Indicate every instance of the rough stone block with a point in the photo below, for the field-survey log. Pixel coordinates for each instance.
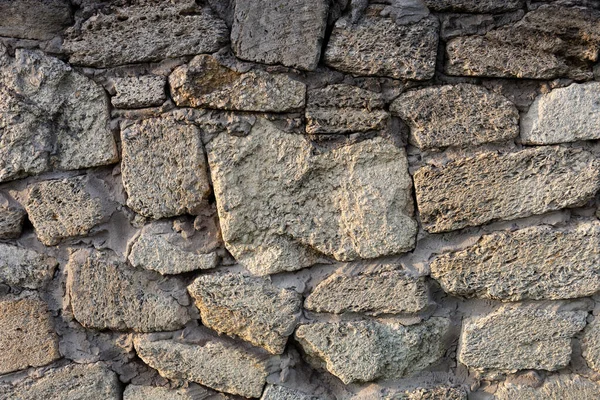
(34, 19)
(139, 91)
(25, 268)
(475, 6)
(437, 393)
(11, 220)
(192, 392)
(454, 25)
(590, 344)
(557, 387)
(276, 392)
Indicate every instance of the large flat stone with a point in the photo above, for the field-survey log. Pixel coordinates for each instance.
(25, 268)
(474, 6)
(489, 186)
(556, 387)
(34, 19)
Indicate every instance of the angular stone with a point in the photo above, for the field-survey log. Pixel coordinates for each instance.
(192, 392)
(388, 290)
(28, 338)
(144, 32)
(590, 344)
(475, 6)
(377, 45)
(563, 115)
(163, 167)
(456, 115)
(204, 82)
(279, 203)
(438, 393)
(25, 268)
(107, 294)
(556, 387)
(514, 339)
(280, 32)
(536, 263)
(362, 351)
(486, 187)
(34, 19)
(51, 117)
(139, 91)
(276, 392)
(251, 308)
(454, 25)
(11, 221)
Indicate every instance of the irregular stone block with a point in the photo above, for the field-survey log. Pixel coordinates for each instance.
(453, 25)
(563, 115)
(456, 115)
(276, 392)
(28, 338)
(107, 294)
(279, 203)
(163, 167)
(251, 308)
(280, 32)
(536, 263)
(474, 6)
(488, 186)
(378, 45)
(362, 351)
(25, 268)
(556, 387)
(11, 220)
(204, 82)
(438, 393)
(192, 392)
(139, 91)
(514, 339)
(590, 344)
(34, 19)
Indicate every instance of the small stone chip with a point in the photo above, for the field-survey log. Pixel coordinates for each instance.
(25, 268)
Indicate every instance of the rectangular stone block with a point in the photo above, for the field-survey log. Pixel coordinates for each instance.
(139, 91)
(556, 387)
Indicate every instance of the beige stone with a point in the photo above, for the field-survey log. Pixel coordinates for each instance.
(24, 267)
(276, 392)
(556, 387)
(192, 392)
(437, 393)
(590, 344)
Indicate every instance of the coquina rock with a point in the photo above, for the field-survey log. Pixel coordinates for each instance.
(11, 220)
(556, 387)
(34, 19)
(276, 392)
(139, 91)
(25, 268)
(437, 393)
(590, 344)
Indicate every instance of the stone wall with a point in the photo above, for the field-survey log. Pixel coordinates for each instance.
(299, 199)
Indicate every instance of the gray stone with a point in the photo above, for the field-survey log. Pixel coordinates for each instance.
(280, 31)
(475, 6)
(250, 308)
(11, 220)
(108, 294)
(590, 344)
(363, 351)
(24, 267)
(204, 82)
(488, 186)
(163, 167)
(276, 392)
(34, 19)
(557, 387)
(453, 25)
(279, 204)
(513, 339)
(192, 392)
(456, 115)
(563, 115)
(139, 91)
(437, 393)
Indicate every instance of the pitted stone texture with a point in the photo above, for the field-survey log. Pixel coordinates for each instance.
(557, 387)
(590, 344)
(563, 115)
(279, 204)
(377, 45)
(73, 382)
(11, 221)
(139, 91)
(280, 31)
(192, 392)
(388, 290)
(474, 6)
(363, 351)
(276, 392)
(488, 186)
(454, 25)
(164, 167)
(34, 19)
(213, 363)
(204, 82)
(51, 117)
(107, 294)
(28, 338)
(251, 308)
(549, 42)
(144, 32)
(25, 268)
(513, 339)
(60, 209)
(438, 393)
(456, 115)
(536, 263)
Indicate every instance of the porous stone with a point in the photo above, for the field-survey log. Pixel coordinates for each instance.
(453, 25)
(474, 6)
(590, 344)
(515, 339)
(556, 387)
(279, 204)
(34, 19)
(456, 115)
(362, 351)
(378, 45)
(11, 221)
(204, 82)
(276, 392)
(139, 91)
(280, 31)
(437, 393)
(25, 268)
(486, 187)
(28, 338)
(107, 294)
(536, 263)
(563, 115)
(251, 308)
(192, 392)
(163, 167)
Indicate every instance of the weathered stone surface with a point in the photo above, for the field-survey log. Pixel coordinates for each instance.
(537, 263)
(388, 290)
(139, 91)
(590, 344)
(362, 351)
(474, 6)
(280, 31)
(456, 115)
(547, 43)
(28, 338)
(438, 393)
(64, 208)
(488, 186)
(276, 392)
(192, 392)
(143, 32)
(164, 167)
(204, 82)
(453, 25)
(11, 220)
(378, 45)
(51, 117)
(515, 339)
(107, 294)
(557, 387)
(563, 115)
(279, 204)
(251, 308)
(25, 268)
(34, 19)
